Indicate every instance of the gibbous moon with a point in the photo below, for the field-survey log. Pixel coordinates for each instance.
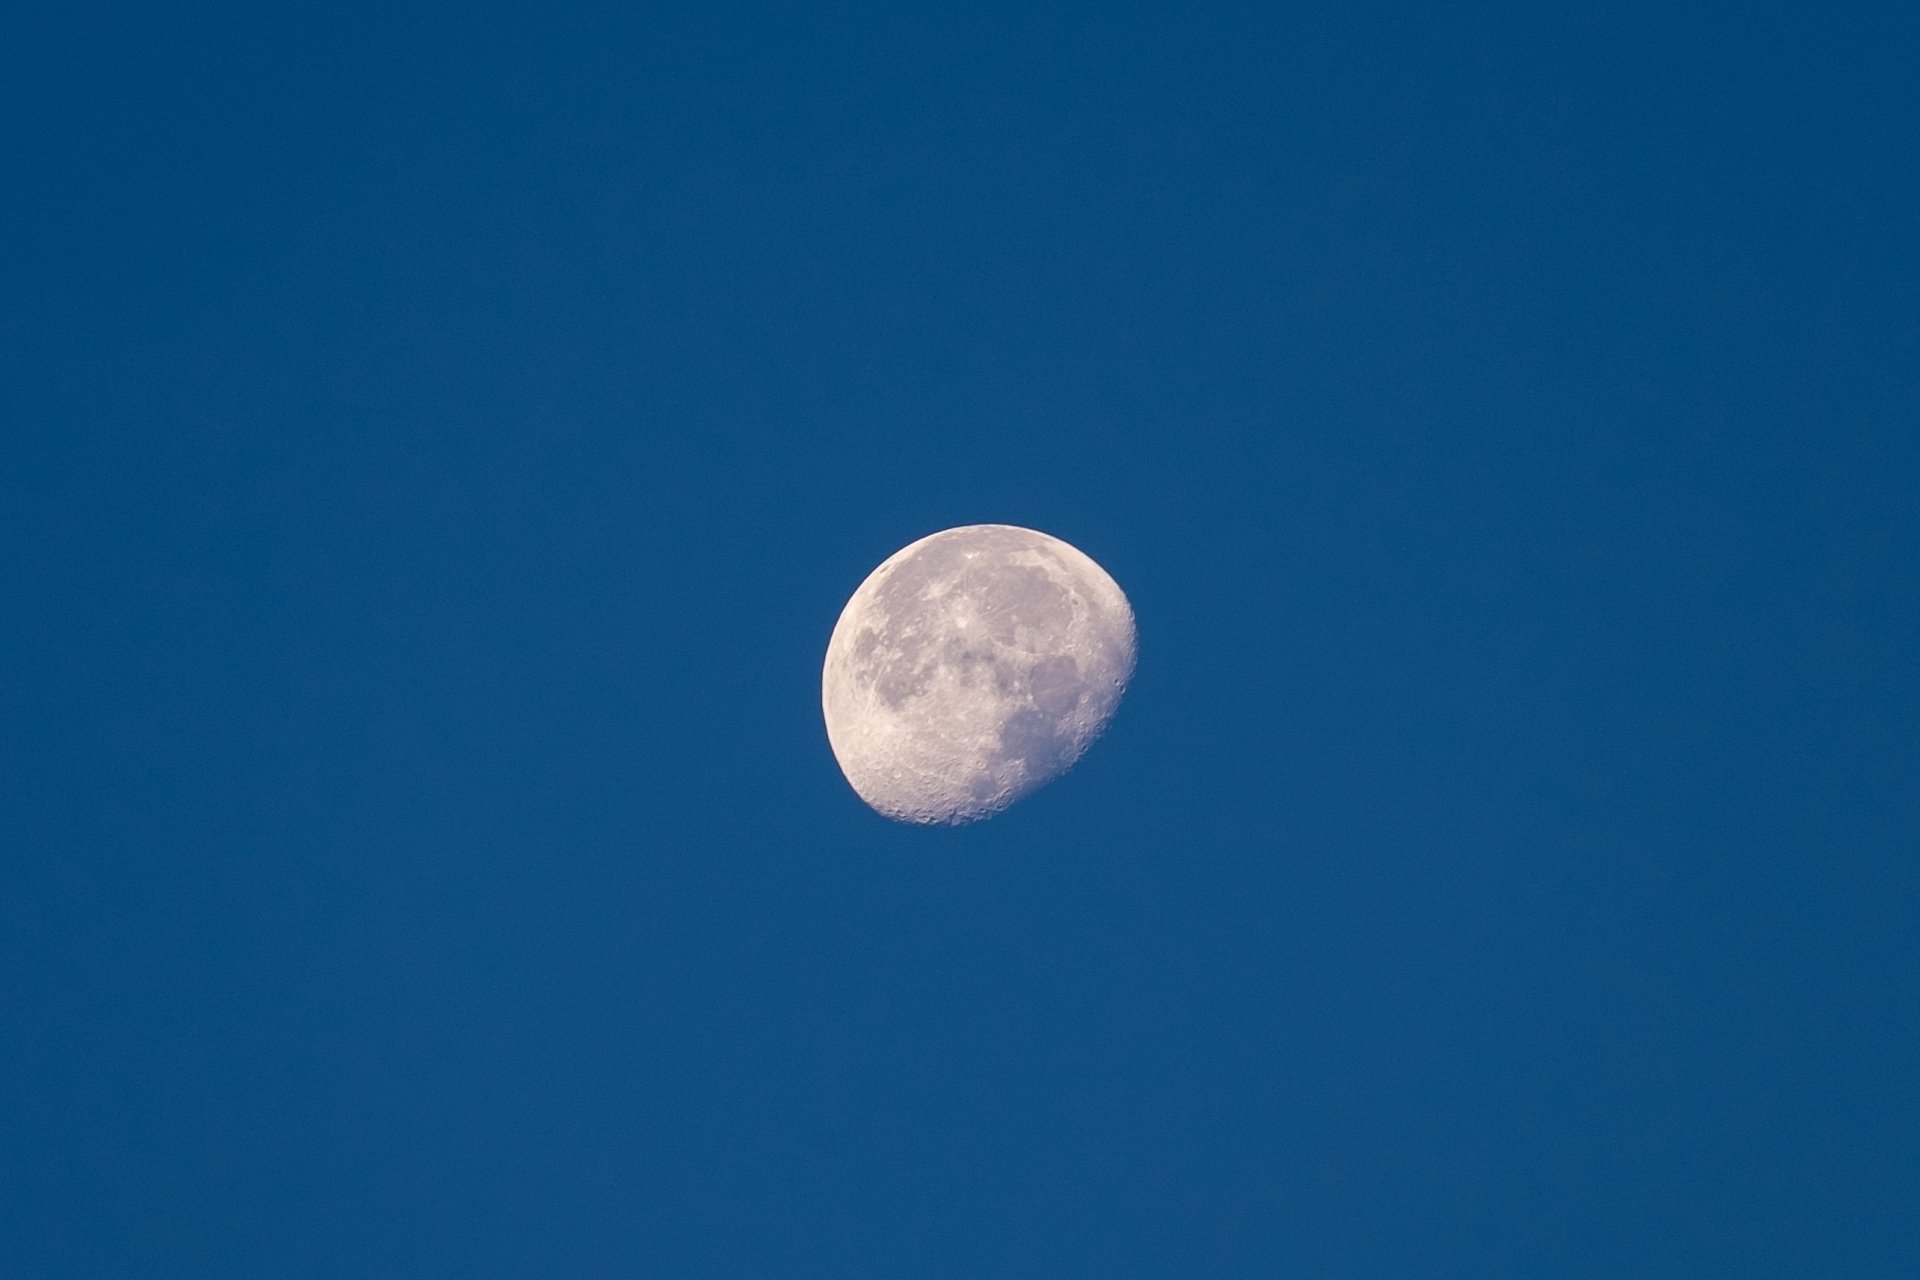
(971, 668)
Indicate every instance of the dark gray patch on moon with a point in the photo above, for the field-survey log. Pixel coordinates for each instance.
(1022, 596)
(1055, 685)
(1032, 740)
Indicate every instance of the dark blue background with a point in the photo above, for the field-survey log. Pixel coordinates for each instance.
(438, 445)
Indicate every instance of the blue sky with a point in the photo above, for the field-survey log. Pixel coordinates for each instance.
(438, 444)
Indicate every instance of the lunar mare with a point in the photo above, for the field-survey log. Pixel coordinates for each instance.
(971, 668)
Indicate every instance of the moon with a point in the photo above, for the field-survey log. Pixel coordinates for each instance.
(971, 668)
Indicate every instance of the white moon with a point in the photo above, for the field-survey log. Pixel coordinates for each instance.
(971, 668)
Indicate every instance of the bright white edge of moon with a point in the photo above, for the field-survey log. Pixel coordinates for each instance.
(971, 668)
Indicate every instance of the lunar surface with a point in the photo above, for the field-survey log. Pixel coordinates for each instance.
(971, 668)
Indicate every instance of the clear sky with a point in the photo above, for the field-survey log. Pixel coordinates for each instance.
(435, 445)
